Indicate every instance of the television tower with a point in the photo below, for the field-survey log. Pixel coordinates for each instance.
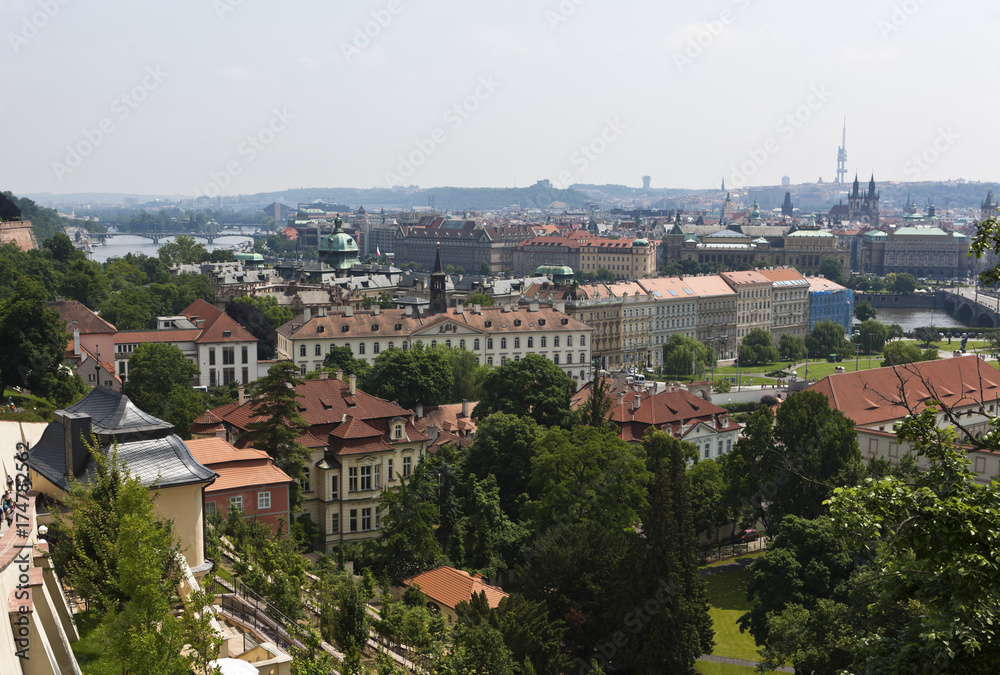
(842, 156)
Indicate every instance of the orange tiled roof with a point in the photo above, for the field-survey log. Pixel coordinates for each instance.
(247, 474)
(449, 586)
(209, 451)
(882, 394)
(87, 321)
(216, 325)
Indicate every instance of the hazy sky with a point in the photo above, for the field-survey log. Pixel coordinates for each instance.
(238, 96)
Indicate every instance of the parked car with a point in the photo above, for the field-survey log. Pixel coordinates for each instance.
(746, 536)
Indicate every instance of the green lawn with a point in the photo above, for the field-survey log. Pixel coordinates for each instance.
(706, 668)
(766, 368)
(726, 561)
(820, 369)
(727, 597)
(89, 652)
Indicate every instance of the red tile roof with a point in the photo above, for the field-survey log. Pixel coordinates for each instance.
(209, 451)
(883, 394)
(237, 468)
(172, 336)
(216, 325)
(87, 321)
(448, 586)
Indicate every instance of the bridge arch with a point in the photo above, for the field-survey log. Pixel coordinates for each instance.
(964, 313)
(985, 320)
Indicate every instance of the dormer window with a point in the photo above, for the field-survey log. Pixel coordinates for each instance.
(344, 328)
(397, 432)
(488, 324)
(541, 322)
(320, 329)
(374, 327)
(517, 322)
(227, 333)
(398, 326)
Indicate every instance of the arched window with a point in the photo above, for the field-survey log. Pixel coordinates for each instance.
(503, 343)
(475, 344)
(375, 348)
(517, 343)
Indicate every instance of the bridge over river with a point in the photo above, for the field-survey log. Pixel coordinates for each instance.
(973, 308)
(210, 238)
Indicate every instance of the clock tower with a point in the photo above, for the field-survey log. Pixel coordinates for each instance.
(439, 303)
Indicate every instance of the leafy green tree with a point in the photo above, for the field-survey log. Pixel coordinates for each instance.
(468, 376)
(748, 469)
(681, 354)
(904, 283)
(871, 336)
(503, 447)
(827, 337)
(707, 489)
(674, 627)
(251, 318)
(533, 386)
(899, 353)
(587, 474)
(275, 314)
(806, 569)
(130, 308)
(596, 410)
(722, 386)
(350, 627)
(408, 544)
(925, 335)
(342, 358)
(605, 275)
(61, 249)
(791, 348)
(409, 376)
(276, 422)
(159, 382)
(481, 649)
(33, 338)
(480, 299)
(864, 310)
(484, 268)
(183, 250)
(832, 270)
(84, 281)
(757, 349)
(384, 301)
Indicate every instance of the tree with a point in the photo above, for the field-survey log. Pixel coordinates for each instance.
(674, 627)
(757, 349)
(864, 310)
(276, 315)
(60, 247)
(384, 301)
(183, 250)
(587, 474)
(827, 337)
(936, 541)
(904, 283)
(527, 631)
(115, 550)
(533, 386)
(342, 358)
(503, 447)
(791, 348)
(871, 336)
(899, 353)
(722, 386)
(468, 376)
(407, 544)
(130, 308)
(683, 354)
(925, 335)
(276, 422)
(596, 410)
(480, 299)
(707, 489)
(484, 268)
(409, 376)
(33, 338)
(159, 383)
(802, 578)
(253, 320)
(832, 270)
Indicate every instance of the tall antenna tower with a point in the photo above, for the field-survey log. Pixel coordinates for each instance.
(842, 157)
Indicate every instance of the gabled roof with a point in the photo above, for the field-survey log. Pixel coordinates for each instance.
(87, 321)
(216, 325)
(448, 586)
(883, 394)
(236, 467)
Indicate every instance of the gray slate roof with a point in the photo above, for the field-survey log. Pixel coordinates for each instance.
(146, 444)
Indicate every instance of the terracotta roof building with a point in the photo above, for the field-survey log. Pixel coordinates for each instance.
(753, 301)
(790, 302)
(357, 441)
(449, 423)
(446, 587)
(247, 480)
(678, 412)
(223, 350)
(93, 333)
(494, 334)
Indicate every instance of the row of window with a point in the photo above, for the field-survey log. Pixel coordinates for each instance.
(236, 503)
(228, 376)
(376, 347)
(228, 355)
(366, 521)
(362, 478)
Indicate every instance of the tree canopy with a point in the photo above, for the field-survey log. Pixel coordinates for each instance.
(757, 349)
(409, 376)
(681, 354)
(864, 310)
(827, 337)
(159, 383)
(533, 387)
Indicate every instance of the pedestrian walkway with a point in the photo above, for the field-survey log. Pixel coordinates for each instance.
(740, 662)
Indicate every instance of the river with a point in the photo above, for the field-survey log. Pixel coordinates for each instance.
(910, 319)
(120, 244)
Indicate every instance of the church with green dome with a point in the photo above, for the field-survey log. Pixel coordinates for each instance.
(338, 250)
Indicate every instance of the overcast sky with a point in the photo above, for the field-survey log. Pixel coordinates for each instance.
(238, 96)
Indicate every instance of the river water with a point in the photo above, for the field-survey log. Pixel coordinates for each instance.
(120, 244)
(910, 319)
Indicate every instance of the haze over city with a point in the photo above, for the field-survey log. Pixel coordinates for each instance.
(237, 96)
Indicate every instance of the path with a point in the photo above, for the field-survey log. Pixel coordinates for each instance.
(740, 662)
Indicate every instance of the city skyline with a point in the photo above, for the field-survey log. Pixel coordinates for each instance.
(226, 97)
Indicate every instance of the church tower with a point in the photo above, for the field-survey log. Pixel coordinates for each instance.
(988, 209)
(854, 200)
(439, 304)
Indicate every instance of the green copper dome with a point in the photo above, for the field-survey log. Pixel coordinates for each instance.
(641, 242)
(339, 249)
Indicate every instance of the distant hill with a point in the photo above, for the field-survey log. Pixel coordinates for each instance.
(45, 222)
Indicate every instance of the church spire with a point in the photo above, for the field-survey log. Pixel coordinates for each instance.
(437, 261)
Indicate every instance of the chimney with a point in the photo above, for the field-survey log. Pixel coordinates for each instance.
(76, 430)
(465, 407)
(433, 432)
(340, 374)
(477, 309)
(419, 409)
(353, 383)
(321, 311)
(348, 311)
(636, 402)
(621, 398)
(459, 309)
(376, 309)
(76, 340)
(408, 311)
(306, 315)
(533, 307)
(324, 375)
(239, 395)
(559, 306)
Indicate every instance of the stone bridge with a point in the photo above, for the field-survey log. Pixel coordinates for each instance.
(977, 314)
(210, 238)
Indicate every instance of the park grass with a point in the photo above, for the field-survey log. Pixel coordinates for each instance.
(708, 668)
(89, 652)
(746, 370)
(728, 561)
(727, 599)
